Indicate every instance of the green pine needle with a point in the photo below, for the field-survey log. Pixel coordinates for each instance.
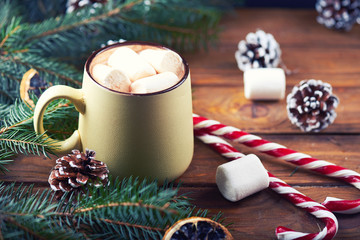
(54, 44)
(5, 159)
(125, 209)
(17, 133)
(27, 215)
(49, 46)
(57, 47)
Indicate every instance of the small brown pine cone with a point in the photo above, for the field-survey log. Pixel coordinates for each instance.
(311, 105)
(74, 172)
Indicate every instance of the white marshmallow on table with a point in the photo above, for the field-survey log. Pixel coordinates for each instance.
(154, 83)
(163, 61)
(111, 77)
(242, 177)
(129, 62)
(264, 83)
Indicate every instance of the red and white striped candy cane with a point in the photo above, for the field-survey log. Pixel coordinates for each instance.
(297, 158)
(279, 186)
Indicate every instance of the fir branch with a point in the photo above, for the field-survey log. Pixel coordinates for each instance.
(132, 20)
(4, 159)
(136, 203)
(17, 114)
(6, 75)
(75, 25)
(128, 204)
(178, 24)
(35, 11)
(48, 67)
(17, 134)
(23, 228)
(7, 35)
(16, 59)
(25, 214)
(5, 97)
(160, 26)
(8, 9)
(20, 114)
(14, 65)
(26, 143)
(8, 28)
(147, 228)
(114, 12)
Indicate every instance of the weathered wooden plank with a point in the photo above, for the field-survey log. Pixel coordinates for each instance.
(314, 52)
(257, 216)
(308, 48)
(341, 150)
(293, 27)
(328, 66)
(228, 105)
(29, 169)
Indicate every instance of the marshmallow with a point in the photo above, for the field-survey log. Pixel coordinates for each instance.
(264, 83)
(154, 83)
(242, 177)
(164, 61)
(111, 78)
(129, 62)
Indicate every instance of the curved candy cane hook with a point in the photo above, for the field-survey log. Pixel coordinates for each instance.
(279, 186)
(279, 151)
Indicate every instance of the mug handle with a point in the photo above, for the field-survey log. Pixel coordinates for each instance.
(55, 92)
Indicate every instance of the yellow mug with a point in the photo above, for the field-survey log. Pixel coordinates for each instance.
(145, 135)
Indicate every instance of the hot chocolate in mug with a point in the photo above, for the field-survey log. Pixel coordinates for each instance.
(146, 135)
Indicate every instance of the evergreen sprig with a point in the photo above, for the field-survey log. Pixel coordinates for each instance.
(53, 45)
(17, 133)
(169, 22)
(27, 215)
(49, 46)
(5, 158)
(56, 44)
(40, 9)
(125, 209)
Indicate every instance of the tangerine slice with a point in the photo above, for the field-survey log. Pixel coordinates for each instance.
(31, 82)
(197, 228)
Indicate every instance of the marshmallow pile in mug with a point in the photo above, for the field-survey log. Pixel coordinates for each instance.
(141, 71)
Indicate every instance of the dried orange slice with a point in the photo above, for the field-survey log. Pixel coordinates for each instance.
(31, 82)
(197, 228)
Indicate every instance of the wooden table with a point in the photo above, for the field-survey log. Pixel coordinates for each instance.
(312, 51)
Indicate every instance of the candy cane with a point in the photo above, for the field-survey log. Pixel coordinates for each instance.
(297, 158)
(291, 194)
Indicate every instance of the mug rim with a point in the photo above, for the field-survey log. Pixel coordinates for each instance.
(118, 44)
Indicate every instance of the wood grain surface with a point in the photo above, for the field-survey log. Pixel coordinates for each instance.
(310, 51)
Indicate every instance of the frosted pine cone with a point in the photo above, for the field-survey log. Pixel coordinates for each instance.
(311, 105)
(338, 14)
(259, 50)
(72, 173)
(73, 5)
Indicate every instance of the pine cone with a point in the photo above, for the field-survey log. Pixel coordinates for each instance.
(259, 50)
(72, 173)
(338, 14)
(311, 105)
(73, 5)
